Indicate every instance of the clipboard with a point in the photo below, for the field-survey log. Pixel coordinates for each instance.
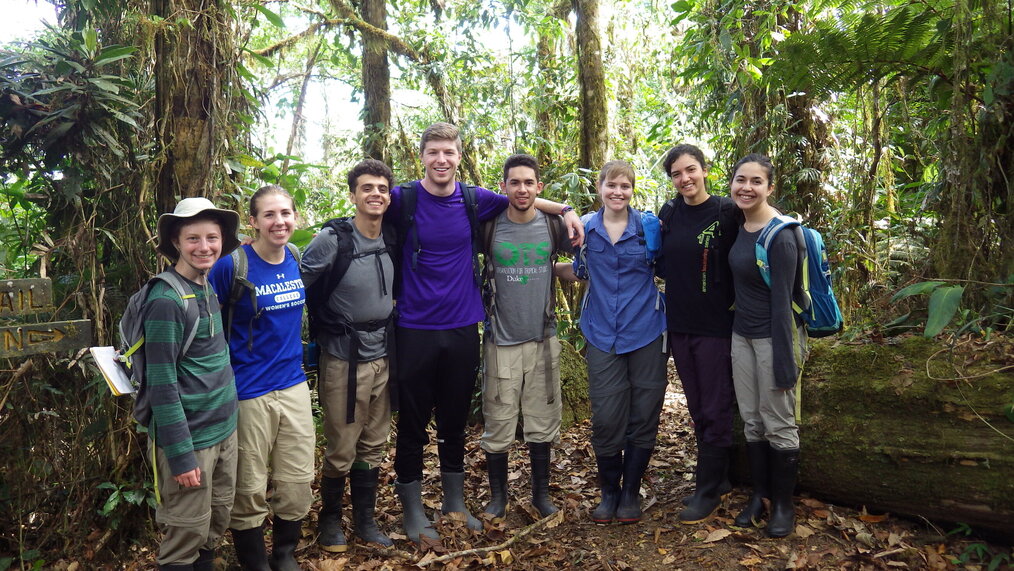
(112, 371)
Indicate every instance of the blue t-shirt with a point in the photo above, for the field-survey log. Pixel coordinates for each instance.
(440, 293)
(623, 310)
(276, 359)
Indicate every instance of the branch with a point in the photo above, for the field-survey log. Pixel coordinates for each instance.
(394, 43)
(556, 517)
(313, 29)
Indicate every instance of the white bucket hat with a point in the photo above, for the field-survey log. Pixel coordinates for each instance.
(188, 208)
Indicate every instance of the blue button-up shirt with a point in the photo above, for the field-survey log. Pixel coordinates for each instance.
(623, 309)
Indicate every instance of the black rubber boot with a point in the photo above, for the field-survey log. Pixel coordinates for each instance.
(712, 469)
(330, 537)
(363, 488)
(205, 560)
(250, 550)
(539, 453)
(453, 485)
(610, 472)
(724, 488)
(753, 513)
(635, 462)
(182, 567)
(414, 518)
(284, 543)
(496, 468)
(784, 466)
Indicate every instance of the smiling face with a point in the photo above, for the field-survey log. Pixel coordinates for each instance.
(522, 187)
(440, 157)
(615, 192)
(371, 196)
(688, 177)
(275, 220)
(751, 186)
(199, 244)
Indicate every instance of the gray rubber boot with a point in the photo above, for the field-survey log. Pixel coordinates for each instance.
(496, 467)
(453, 484)
(363, 487)
(413, 515)
(539, 453)
(250, 551)
(329, 522)
(284, 543)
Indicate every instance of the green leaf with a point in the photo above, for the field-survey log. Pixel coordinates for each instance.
(942, 306)
(135, 497)
(114, 53)
(1008, 411)
(301, 238)
(91, 39)
(263, 60)
(272, 17)
(915, 289)
(104, 85)
(111, 503)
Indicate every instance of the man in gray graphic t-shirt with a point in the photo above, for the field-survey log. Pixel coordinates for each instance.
(521, 353)
(351, 319)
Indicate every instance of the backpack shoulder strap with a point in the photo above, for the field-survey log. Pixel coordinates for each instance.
(294, 250)
(558, 237)
(665, 214)
(411, 234)
(766, 237)
(469, 194)
(189, 308)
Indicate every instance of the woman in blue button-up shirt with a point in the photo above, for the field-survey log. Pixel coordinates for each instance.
(623, 320)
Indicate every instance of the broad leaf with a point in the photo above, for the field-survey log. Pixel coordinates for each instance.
(943, 303)
(272, 17)
(916, 289)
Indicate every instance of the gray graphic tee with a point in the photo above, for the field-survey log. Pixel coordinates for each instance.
(522, 263)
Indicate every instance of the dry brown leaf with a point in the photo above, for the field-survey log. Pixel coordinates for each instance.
(668, 560)
(506, 557)
(803, 531)
(332, 564)
(750, 561)
(717, 535)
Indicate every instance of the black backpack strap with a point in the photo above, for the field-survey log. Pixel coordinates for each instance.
(488, 231)
(411, 233)
(469, 193)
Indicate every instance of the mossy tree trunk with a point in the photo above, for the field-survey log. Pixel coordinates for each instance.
(195, 86)
(594, 144)
(376, 84)
(880, 431)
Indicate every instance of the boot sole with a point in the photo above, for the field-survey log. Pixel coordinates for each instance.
(334, 548)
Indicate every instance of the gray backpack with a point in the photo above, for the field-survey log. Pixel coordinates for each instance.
(132, 337)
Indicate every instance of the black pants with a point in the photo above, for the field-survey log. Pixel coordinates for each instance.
(437, 372)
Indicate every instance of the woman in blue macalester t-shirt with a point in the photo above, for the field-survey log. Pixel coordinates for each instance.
(275, 425)
(623, 320)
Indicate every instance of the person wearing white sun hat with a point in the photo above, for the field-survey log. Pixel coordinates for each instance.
(193, 396)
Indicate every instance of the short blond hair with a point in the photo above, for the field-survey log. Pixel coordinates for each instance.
(613, 169)
(440, 131)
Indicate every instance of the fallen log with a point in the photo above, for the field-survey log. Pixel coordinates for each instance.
(911, 426)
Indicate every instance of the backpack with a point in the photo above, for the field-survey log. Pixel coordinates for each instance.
(411, 233)
(132, 337)
(649, 230)
(821, 313)
(242, 285)
(320, 317)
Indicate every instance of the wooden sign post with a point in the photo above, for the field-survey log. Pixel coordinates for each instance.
(23, 297)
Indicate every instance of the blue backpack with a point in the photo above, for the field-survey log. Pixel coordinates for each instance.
(821, 314)
(649, 230)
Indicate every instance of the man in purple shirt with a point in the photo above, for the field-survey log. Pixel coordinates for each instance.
(437, 337)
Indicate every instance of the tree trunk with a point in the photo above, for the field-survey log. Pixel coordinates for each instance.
(594, 145)
(194, 89)
(885, 426)
(376, 84)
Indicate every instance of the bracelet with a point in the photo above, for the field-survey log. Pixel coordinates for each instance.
(565, 209)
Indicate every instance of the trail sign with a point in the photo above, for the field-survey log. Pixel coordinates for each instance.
(25, 296)
(31, 338)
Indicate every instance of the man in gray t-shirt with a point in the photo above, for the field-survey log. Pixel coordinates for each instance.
(521, 352)
(351, 328)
